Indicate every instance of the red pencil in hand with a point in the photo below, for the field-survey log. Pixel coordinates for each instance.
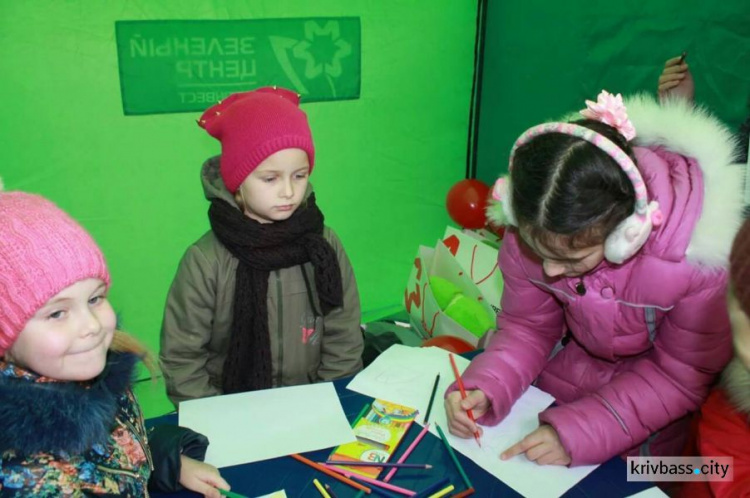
(463, 395)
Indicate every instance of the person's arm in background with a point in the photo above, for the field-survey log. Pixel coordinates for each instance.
(676, 81)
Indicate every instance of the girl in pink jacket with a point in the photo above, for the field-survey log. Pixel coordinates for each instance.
(615, 281)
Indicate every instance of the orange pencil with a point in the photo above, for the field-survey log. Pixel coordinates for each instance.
(466, 492)
(331, 473)
(463, 395)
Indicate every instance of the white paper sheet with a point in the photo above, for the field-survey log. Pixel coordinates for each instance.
(405, 375)
(259, 425)
(275, 494)
(650, 493)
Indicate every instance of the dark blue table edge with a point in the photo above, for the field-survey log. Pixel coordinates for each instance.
(609, 479)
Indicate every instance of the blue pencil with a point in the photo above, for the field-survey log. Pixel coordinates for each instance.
(433, 489)
(382, 492)
(375, 489)
(330, 491)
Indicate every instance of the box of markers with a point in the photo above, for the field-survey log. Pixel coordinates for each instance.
(379, 432)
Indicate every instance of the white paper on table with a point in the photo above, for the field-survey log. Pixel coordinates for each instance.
(405, 375)
(275, 494)
(654, 492)
(258, 425)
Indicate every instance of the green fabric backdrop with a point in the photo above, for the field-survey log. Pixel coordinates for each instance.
(544, 58)
(384, 162)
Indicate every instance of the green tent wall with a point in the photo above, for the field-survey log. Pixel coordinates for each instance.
(543, 58)
(384, 162)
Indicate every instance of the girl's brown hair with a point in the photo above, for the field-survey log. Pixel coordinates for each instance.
(126, 343)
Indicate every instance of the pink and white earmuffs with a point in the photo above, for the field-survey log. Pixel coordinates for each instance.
(630, 235)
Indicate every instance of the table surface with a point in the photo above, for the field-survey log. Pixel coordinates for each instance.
(265, 477)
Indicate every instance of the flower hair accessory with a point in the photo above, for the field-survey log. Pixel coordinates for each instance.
(633, 232)
(609, 109)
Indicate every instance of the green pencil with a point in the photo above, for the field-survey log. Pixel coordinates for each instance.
(432, 398)
(454, 457)
(361, 414)
(230, 494)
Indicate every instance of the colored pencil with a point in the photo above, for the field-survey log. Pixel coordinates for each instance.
(435, 487)
(454, 457)
(361, 414)
(463, 395)
(322, 490)
(432, 398)
(682, 58)
(374, 482)
(359, 463)
(464, 493)
(330, 491)
(384, 493)
(331, 473)
(411, 447)
(443, 492)
(230, 494)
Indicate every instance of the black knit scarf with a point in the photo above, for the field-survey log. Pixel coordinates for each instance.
(260, 249)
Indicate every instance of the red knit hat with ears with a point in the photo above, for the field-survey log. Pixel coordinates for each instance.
(739, 266)
(253, 125)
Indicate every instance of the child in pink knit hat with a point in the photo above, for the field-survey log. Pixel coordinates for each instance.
(70, 420)
(267, 297)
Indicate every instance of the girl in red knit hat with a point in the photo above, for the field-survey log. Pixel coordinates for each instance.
(267, 297)
(71, 424)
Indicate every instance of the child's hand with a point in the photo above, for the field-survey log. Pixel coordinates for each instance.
(542, 446)
(201, 477)
(676, 80)
(459, 422)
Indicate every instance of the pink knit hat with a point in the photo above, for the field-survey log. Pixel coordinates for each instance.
(42, 251)
(253, 125)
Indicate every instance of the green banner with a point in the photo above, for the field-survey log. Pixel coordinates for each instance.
(185, 66)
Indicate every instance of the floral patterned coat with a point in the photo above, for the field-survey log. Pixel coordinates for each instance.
(74, 439)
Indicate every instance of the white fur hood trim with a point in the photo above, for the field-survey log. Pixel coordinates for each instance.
(736, 381)
(691, 131)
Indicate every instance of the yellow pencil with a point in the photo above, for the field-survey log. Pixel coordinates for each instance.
(322, 490)
(443, 491)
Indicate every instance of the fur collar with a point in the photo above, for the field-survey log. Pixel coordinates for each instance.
(56, 417)
(736, 381)
(689, 130)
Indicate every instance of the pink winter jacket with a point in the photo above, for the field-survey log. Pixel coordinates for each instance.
(648, 336)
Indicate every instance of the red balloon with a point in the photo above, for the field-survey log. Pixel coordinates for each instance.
(466, 203)
(449, 343)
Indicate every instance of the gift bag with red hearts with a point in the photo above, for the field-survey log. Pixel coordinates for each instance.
(442, 299)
